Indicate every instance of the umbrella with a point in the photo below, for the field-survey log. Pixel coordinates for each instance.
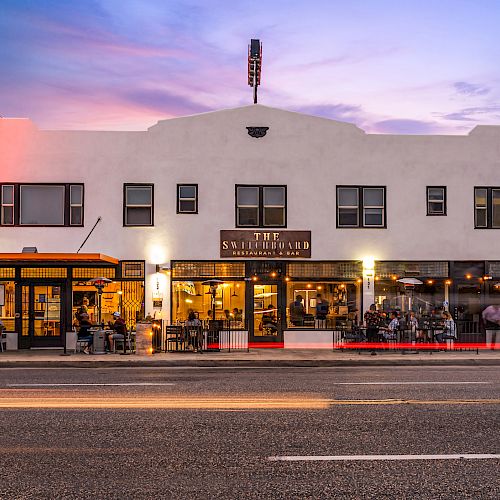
(410, 281)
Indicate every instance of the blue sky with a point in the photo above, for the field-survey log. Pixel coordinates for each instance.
(424, 67)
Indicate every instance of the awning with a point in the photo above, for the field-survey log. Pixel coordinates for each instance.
(57, 258)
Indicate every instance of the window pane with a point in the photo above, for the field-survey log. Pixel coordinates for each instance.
(373, 217)
(76, 195)
(139, 195)
(187, 191)
(42, 205)
(274, 196)
(481, 196)
(436, 207)
(274, 216)
(495, 200)
(138, 216)
(348, 217)
(248, 216)
(373, 197)
(348, 197)
(248, 196)
(76, 216)
(187, 206)
(7, 195)
(8, 215)
(436, 194)
(480, 217)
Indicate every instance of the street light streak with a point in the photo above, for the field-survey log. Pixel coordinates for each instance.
(216, 403)
(348, 458)
(103, 384)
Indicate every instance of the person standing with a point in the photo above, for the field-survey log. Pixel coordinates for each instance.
(372, 321)
(491, 319)
(322, 307)
(297, 311)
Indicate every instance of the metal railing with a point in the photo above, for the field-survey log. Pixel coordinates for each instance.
(213, 336)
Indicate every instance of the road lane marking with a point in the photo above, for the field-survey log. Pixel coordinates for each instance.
(349, 458)
(98, 384)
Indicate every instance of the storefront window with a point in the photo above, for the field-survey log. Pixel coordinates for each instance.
(126, 297)
(322, 304)
(193, 296)
(423, 299)
(7, 305)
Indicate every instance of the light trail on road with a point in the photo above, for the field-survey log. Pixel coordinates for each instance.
(27, 401)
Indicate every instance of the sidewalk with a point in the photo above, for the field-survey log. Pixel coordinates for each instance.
(255, 358)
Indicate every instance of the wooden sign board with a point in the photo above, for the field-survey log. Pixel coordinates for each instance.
(265, 244)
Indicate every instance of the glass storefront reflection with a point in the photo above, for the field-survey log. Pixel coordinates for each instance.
(322, 304)
(194, 296)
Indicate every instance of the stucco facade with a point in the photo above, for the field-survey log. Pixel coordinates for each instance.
(310, 155)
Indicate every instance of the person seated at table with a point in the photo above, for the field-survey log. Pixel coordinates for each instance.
(390, 333)
(84, 334)
(120, 330)
(269, 321)
(449, 331)
(195, 332)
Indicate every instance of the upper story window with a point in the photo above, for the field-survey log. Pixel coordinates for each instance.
(487, 207)
(260, 206)
(361, 206)
(138, 205)
(41, 204)
(436, 200)
(187, 198)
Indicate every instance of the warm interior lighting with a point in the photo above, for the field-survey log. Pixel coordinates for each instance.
(189, 301)
(309, 285)
(394, 278)
(377, 278)
(430, 282)
(342, 286)
(447, 282)
(254, 278)
(359, 280)
(274, 274)
(319, 287)
(468, 276)
(287, 278)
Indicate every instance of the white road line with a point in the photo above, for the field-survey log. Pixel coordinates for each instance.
(122, 384)
(407, 383)
(347, 458)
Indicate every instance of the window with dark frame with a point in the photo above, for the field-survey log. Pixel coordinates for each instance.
(361, 207)
(260, 206)
(30, 204)
(436, 200)
(187, 198)
(138, 200)
(487, 207)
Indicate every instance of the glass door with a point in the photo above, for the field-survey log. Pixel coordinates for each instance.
(41, 315)
(267, 317)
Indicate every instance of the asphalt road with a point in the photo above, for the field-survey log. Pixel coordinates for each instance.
(210, 433)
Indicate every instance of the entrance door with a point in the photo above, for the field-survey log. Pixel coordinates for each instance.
(267, 318)
(41, 315)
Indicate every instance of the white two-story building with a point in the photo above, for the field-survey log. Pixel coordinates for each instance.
(280, 207)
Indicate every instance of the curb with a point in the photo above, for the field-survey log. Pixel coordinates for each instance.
(236, 363)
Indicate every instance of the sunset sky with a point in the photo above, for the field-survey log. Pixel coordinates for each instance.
(389, 66)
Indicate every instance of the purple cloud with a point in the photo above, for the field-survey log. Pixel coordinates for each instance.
(473, 114)
(405, 126)
(343, 112)
(470, 89)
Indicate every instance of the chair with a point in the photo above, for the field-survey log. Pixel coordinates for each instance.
(129, 342)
